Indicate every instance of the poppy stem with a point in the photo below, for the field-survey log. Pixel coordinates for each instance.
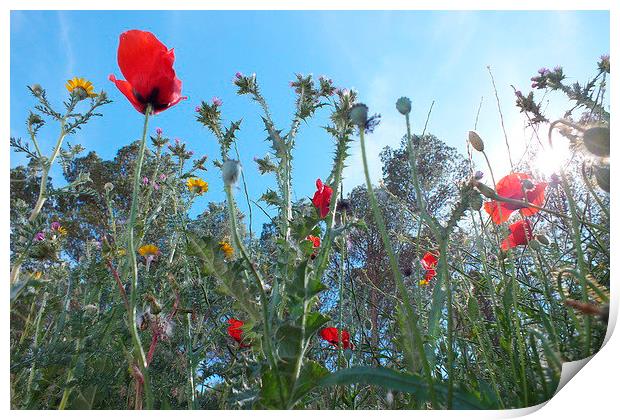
(412, 318)
(131, 250)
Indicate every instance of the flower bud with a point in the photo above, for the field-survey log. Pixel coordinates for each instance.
(475, 202)
(403, 105)
(542, 239)
(596, 140)
(108, 186)
(231, 169)
(534, 244)
(37, 90)
(475, 141)
(478, 175)
(359, 114)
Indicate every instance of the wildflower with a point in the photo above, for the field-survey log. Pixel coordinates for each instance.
(146, 63)
(82, 88)
(216, 101)
(235, 331)
(227, 249)
(37, 275)
(162, 177)
(159, 131)
(145, 181)
(478, 175)
(238, 75)
(511, 186)
(148, 250)
(197, 186)
(316, 243)
(155, 185)
(403, 105)
(322, 198)
(331, 334)
(475, 141)
(604, 64)
(520, 234)
(55, 225)
(429, 263)
(39, 236)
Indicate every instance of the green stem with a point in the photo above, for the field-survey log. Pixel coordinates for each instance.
(131, 250)
(396, 271)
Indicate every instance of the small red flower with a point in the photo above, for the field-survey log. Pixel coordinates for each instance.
(330, 335)
(520, 234)
(322, 198)
(511, 186)
(146, 63)
(316, 243)
(235, 331)
(429, 263)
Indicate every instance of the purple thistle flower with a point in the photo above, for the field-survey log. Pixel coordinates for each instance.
(216, 101)
(155, 185)
(55, 226)
(238, 75)
(162, 177)
(190, 153)
(39, 236)
(197, 109)
(478, 175)
(159, 131)
(145, 181)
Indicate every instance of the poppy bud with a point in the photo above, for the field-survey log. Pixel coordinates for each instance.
(403, 105)
(231, 169)
(478, 175)
(542, 239)
(484, 190)
(475, 141)
(359, 114)
(596, 140)
(534, 244)
(602, 177)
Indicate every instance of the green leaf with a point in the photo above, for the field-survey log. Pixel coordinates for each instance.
(85, 400)
(311, 374)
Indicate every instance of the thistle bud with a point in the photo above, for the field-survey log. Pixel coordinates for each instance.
(475, 141)
(403, 105)
(359, 114)
(542, 239)
(231, 169)
(596, 140)
(36, 89)
(478, 175)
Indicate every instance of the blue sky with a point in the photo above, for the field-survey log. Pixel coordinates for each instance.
(426, 55)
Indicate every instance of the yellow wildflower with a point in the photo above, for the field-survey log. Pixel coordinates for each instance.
(423, 282)
(197, 185)
(37, 275)
(226, 249)
(81, 87)
(62, 230)
(148, 250)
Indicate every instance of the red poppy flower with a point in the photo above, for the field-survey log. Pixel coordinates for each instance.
(510, 186)
(520, 234)
(316, 243)
(322, 197)
(235, 331)
(146, 63)
(330, 335)
(429, 263)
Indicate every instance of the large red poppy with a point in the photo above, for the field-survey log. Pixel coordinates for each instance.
(330, 335)
(322, 197)
(511, 186)
(520, 234)
(146, 63)
(429, 263)
(235, 331)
